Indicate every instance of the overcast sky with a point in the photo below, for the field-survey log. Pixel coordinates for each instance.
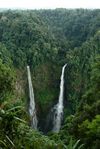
(38, 4)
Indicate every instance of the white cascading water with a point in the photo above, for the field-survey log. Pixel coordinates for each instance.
(32, 110)
(59, 107)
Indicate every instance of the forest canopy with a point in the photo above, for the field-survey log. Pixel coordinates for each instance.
(46, 40)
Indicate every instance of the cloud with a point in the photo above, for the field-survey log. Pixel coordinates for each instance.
(37, 4)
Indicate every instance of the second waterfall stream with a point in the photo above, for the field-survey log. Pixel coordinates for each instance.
(32, 110)
(59, 107)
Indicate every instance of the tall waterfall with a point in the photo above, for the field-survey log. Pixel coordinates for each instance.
(32, 110)
(59, 107)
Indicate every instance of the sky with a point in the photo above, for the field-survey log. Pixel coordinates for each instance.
(49, 4)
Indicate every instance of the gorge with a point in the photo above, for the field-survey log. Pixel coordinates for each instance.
(55, 105)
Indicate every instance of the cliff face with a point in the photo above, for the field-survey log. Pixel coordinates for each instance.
(45, 79)
(20, 83)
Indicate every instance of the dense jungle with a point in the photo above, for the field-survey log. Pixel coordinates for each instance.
(46, 40)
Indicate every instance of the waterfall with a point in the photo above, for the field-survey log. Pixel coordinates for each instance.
(32, 110)
(58, 109)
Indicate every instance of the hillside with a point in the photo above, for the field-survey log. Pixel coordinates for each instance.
(46, 40)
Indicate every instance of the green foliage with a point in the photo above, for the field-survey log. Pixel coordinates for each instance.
(46, 97)
(81, 60)
(5, 55)
(75, 145)
(6, 80)
(46, 40)
(85, 124)
(15, 133)
(90, 131)
(38, 37)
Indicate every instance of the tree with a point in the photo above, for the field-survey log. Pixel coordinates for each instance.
(6, 80)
